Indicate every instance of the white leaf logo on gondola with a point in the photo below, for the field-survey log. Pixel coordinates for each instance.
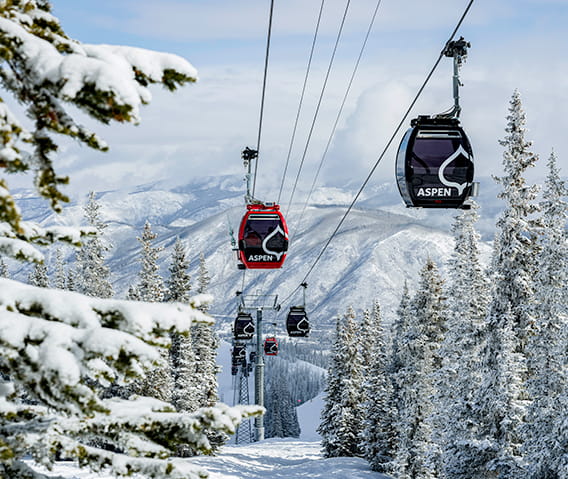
(267, 239)
(303, 325)
(459, 186)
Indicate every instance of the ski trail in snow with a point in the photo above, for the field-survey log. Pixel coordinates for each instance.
(283, 459)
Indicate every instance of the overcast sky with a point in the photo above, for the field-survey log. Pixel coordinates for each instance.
(201, 129)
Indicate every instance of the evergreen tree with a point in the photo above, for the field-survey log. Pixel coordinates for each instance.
(342, 415)
(459, 379)
(4, 273)
(400, 331)
(38, 276)
(281, 417)
(179, 282)
(132, 293)
(92, 274)
(186, 383)
(545, 436)
(501, 406)
(150, 286)
(378, 434)
(60, 280)
(65, 416)
(396, 363)
(108, 83)
(513, 265)
(503, 398)
(51, 76)
(203, 278)
(71, 280)
(206, 343)
(417, 455)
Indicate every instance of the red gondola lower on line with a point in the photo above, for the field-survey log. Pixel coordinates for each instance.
(271, 346)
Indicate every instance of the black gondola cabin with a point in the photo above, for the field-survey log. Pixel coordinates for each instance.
(434, 164)
(244, 326)
(263, 237)
(297, 323)
(238, 354)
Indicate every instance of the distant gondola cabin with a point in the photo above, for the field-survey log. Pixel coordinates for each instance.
(263, 237)
(434, 164)
(271, 346)
(238, 354)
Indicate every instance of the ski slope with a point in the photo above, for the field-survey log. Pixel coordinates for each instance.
(269, 459)
(283, 459)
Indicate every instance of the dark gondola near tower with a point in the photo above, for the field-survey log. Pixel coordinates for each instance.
(243, 328)
(434, 163)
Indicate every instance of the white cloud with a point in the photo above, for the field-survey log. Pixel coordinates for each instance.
(201, 129)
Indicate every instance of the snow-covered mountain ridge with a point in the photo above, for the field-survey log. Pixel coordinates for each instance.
(380, 246)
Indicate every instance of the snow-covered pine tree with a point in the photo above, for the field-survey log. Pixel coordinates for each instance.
(502, 399)
(71, 280)
(178, 284)
(150, 288)
(60, 274)
(56, 354)
(379, 438)
(513, 265)
(546, 437)
(38, 276)
(186, 383)
(396, 364)
(92, 274)
(203, 278)
(328, 428)
(343, 413)
(417, 455)
(132, 293)
(281, 418)
(205, 344)
(400, 331)
(4, 273)
(500, 404)
(459, 379)
(85, 339)
(47, 73)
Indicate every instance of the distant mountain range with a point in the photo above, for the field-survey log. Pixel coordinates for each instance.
(380, 246)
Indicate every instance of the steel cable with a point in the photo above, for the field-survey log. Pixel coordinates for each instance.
(420, 90)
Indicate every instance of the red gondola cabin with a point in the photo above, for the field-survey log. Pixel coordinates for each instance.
(263, 237)
(271, 346)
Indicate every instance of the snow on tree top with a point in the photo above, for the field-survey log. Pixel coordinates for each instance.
(107, 68)
(138, 318)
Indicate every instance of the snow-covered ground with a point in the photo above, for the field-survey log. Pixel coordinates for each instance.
(270, 459)
(283, 459)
